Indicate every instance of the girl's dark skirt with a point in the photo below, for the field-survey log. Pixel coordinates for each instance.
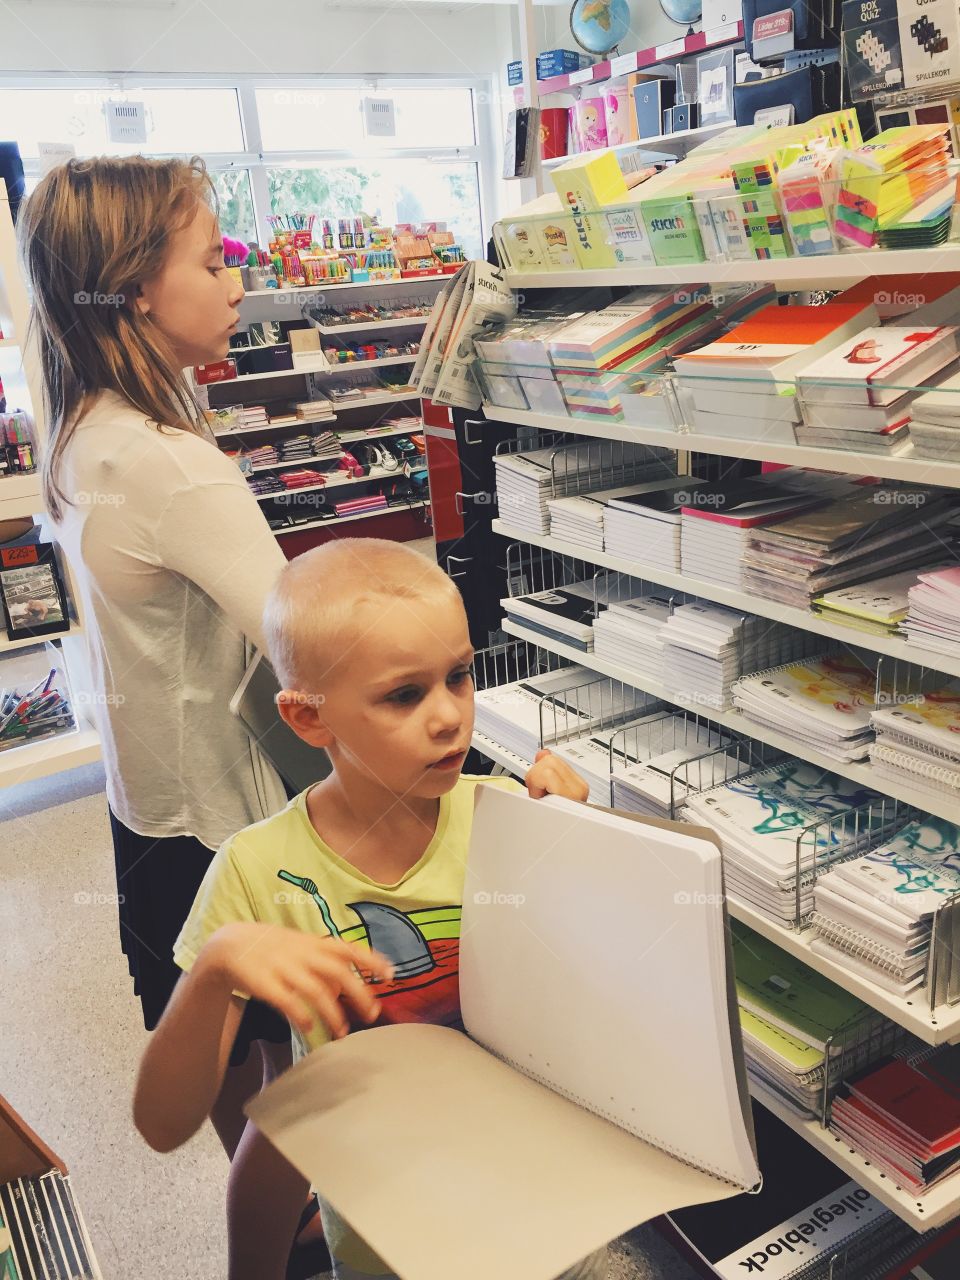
(157, 881)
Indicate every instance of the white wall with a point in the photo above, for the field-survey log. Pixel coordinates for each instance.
(235, 36)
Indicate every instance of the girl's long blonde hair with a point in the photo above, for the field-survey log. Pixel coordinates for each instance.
(89, 234)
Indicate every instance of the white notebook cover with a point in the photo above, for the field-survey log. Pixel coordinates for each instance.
(593, 953)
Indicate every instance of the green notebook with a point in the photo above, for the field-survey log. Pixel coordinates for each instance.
(789, 994)
(800, 1058)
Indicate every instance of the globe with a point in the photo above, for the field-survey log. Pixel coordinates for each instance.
(599, 25)
(684, 11)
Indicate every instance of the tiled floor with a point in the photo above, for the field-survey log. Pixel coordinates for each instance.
(72, 1037)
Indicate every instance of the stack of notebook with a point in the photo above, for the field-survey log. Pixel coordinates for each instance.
(562, 613)
(877, 607)
(297, 449)
(788, 1014)
(851, 539)
(325, 445)
(826, 702)
(527, 714)
(919, 742)
(656, 766)
(874, 915)
(933, 617)
(302, 478)
(936, 417)
(859, 395)
(646, 526)
(318, 410)
(903, 1115)
(630, 632)
(590, 755)
(253, 415)
(264, 485)
(776, 830)
(525, 481)
(582, 519)
(716, 525)
(707, 647)
(742, 384)
(264, 455)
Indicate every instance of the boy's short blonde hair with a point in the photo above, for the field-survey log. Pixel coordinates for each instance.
(311, 614)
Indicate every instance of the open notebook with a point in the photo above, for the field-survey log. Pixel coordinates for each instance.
(601, 1082)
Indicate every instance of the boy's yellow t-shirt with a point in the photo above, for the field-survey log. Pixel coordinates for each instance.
(279, 871)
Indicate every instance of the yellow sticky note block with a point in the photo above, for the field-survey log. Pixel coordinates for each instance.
(585, 186)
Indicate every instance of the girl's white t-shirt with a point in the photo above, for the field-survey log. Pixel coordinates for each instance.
(173, 560)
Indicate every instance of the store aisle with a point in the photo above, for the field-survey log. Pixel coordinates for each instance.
(72, 1037)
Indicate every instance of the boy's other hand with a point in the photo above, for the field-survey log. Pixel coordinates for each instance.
(549, 775)
(302, 976)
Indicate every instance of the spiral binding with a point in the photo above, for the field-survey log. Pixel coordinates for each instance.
(946, 776)
(898, 734)
(860, 945)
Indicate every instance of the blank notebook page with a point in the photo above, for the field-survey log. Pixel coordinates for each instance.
(593, 958)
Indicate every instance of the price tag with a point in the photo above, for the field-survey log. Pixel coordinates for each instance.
(10, 557)
(624, 63)
(581, 77)
(716, 35)
(672, 49)
(53, 154)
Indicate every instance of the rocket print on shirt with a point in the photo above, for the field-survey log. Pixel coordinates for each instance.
(423, 946)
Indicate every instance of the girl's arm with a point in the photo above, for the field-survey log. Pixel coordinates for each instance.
(304, 977)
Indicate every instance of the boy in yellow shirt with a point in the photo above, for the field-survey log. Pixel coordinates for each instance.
(363, 871)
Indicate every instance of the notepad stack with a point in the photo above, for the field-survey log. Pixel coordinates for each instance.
(933, 617)
(716, 525)
(525, 481)
(582, 519)
(935, 425)
(877, 607)
(525, 715)
(253, 415)
(562, 613)
(742, 385)
(775, 818)
(919, 741)
(826, 702)
(645, 527)
(851, 539)
(904, 1117)
(795, 1023)
(591, 754)
(860, 395)
(874, 915)
(656, 768)
(707, 647)
(630, 632)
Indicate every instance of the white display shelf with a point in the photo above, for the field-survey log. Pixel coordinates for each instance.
(407, 322)
(824, 271)
(361, 515)
(912, 1012)
(8, 646)
(942, 804)
(746, 602)
(243, 378)
(355, 365)
(376, 473)
(48, 755)
(277, 426)
(904, 467)
(682, 138)
(935, 1208)
(410, 282)
(387, 397)
(500, 755)
(348, 438)
(20, 496)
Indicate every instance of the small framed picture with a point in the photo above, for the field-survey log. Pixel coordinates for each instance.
(31, 591)
(715, 80)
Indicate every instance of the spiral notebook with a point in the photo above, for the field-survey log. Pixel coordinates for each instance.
(601, 1081)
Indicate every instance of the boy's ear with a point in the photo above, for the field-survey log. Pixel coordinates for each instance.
(302, 712)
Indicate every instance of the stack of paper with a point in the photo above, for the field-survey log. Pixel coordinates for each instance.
(742, 384)
(874, 915)
(562, 613)
(789, 1015)
(889, 177)
(826, 703)
(919, 741)
(859, 395)
(630, 632)
(901, 1118)
(775, 828)
(590, 755)
(707, 647)
(646, 527)
(933, 617)
(936, 417)
(582, 519)
(848, 541)
(716, 525)
(877, 607)
(656, 767)
(525, 481)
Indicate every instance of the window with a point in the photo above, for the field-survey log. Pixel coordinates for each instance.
(320, 119)
(235, 200)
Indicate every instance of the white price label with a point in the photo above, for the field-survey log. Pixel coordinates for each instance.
(581, 77)
(672, 49)
(716, 35)
(624, 63)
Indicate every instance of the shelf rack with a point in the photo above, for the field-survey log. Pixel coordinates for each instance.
(941, 1025)
(361, 515)
(680, 140)
(401, 322)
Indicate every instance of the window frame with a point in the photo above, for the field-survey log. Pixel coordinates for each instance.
(257, 160)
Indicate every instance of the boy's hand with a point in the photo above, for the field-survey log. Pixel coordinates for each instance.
(550, 775)
(297, 973)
